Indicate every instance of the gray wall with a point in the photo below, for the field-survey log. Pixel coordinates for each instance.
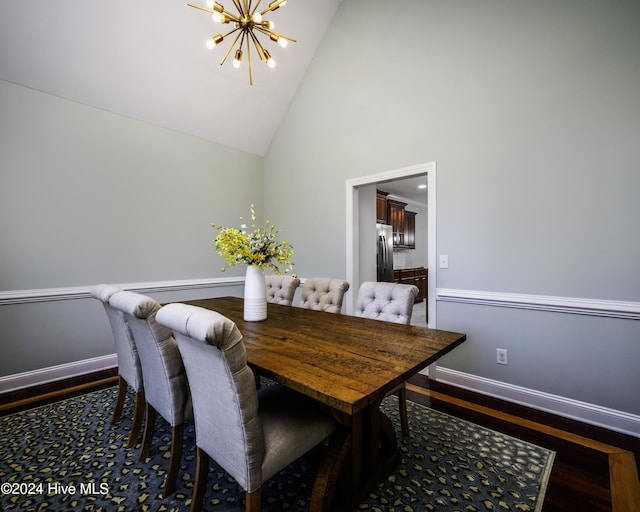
(87, 197)
(530, 110)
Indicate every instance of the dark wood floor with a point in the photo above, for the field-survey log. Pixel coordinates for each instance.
(580, 476)
(21, 399)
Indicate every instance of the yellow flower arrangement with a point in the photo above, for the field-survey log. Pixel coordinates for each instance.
(258, 247)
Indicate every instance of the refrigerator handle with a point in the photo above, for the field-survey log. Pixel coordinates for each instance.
(384, 253)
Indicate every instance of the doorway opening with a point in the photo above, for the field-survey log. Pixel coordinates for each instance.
(357, 187)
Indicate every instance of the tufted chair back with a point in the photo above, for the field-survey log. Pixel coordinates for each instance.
(280, 289)
(224, 390)
(162, 369)
(391, 302)
(323, 294)
(129, 368)
(251, 434)
(128, 360)
(165, 381)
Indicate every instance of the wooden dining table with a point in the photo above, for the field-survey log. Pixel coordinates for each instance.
(347, 363)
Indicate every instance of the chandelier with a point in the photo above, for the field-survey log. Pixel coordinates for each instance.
(247, 25)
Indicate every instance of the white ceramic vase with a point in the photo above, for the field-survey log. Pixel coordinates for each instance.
(255, 295)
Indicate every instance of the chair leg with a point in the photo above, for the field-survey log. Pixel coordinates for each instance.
(402, 404)
(200, 485)
(122, 393)
(174, 461)
(149, 428)
(254, 501)
(138, 413)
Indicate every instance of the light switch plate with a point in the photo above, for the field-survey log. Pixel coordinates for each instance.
(444, 261)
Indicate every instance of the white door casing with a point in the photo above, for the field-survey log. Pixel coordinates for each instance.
(353, 240)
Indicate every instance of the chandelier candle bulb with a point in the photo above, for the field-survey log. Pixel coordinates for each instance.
(214, 5)
(276, 38)
(220, 18)
(270, 62)
(214, 41)
(274, 5)
(238, 59)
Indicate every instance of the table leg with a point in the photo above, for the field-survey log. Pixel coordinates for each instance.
(378, 453)
(373, 455)
(356, 452)
(373, 439)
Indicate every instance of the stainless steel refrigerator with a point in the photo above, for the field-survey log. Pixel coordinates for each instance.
(385, 252)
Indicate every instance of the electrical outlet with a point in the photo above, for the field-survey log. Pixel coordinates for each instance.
(444, 261)
(501, 356)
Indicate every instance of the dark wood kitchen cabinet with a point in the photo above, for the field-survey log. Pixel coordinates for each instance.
(402, 221)
(421, 282)
(415, 276)
(395, 217)
(381, 206)
(410, 229)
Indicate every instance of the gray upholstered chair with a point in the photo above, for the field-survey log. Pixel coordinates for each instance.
(129, 369)
(389, 302)
(252, 434)
(165, 381)
(280, 289)
(323, 294)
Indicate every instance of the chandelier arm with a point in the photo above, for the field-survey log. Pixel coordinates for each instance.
(265, 31)
(238, 6)
(231, 32)
(288, 38)
(210, 11)
(230, 46)
(231, 16)
(242, 37)
(268, 32)
(272, 6)
(259, 48)
(255, 8)
(249, 60)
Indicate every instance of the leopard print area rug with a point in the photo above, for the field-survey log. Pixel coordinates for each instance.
(67, 456)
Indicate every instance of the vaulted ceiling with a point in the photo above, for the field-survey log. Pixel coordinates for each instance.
(147, 61)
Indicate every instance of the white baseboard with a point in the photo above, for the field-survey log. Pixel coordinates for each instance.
(610, 419)
(53, 373)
